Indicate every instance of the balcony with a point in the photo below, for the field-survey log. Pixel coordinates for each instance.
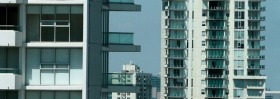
(218, 8)
(260, 57)
(175, 56)
(216, 57)
(255, 86)
(257, 9)
(253, 77)
(10, 81)
(216, 96)
(176, 27)
(122, 42)
(216, 28)
(216, 47)
(216, 38)
(215, 86)
(123, 5)
(177, 95)
(257, 38)
(176, 17)
(216, 77)
(120, 82)
(256, 28)
(217, 67)
(10, 38)
(177, 8)
(256, 48)
(175, 47)
(175, 66)
(257, 67)
(176, 86)
(262, 18)
(176, 37)
(217, 18)
(176, 76)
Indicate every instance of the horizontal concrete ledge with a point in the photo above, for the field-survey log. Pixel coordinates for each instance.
(55, 1)
(124, 7)
(121, 88)
(53, 87)
(250, 77)
(122, 48)
(11, 1)
(55, 44)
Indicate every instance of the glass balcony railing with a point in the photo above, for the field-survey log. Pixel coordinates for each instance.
(216, 57)
(176, 76)
(257, 8)
(216, 18)
(120, 38)
(218, 8)
(9, 70)
(216, 76)
(257, 57)
(257, 18)
(256, 38)
(176, 95)
(256, 48)
(217, 47)
(217, 28)
(121, 1)
(217, 37)
(256, 27)
(175, 8)
(216, 86)
(217, 67)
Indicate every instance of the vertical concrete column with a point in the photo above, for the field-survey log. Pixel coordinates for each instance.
(93, 49)
(22, 50)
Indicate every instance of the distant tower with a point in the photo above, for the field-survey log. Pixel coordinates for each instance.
(212, 49)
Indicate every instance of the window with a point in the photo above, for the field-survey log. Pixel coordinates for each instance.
(239, 25)
(239, 44)
(8, 94)
(238, 63)
(239, 15)
(9, 60)
(238, 92)
(9, 17)
(53, 95)
(238, 34)
(238, 54)
(238, 72)
(52, 23)
(239, 4)
(54, 66)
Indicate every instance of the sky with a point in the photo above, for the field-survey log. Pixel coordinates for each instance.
(146, 26)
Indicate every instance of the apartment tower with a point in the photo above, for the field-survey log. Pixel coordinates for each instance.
(59, 49)
(211, 49)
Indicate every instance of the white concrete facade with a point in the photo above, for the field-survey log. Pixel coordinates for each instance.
(59, 49)
(211, 49)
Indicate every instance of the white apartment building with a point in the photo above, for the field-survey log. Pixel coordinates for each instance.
(272, 94)
(211, 49)
(59, 49)
(132, 75)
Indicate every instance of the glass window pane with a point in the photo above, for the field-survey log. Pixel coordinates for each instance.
(12, 95)
(3, 16)
(76, 95)
(62, 9)
(32, 94)
(47, 17)
(33, 9)
(76, 66)
(47, 33)
(48, 56)
(76, 9)
(47, 77)
(48, 9)
(2, 94)
(47, 95)
(76, 27)
(62, 56)
(61, 95)
(62, 77)
(33, 27)
(62, 16)
(62, 34)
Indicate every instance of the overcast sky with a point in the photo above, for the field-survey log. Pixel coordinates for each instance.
(146, 28)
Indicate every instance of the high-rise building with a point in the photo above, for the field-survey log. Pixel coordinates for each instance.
(272, 94)
(59, 49)
(156, 87)
(132, 75)
(212, 49)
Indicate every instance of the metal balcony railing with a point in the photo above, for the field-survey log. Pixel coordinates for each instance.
(257, 67)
